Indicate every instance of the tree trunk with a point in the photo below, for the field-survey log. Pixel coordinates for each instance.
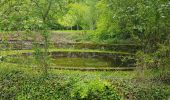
(45, 55)
(77, 27)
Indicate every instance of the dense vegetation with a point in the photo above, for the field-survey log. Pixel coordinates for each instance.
(84, 49)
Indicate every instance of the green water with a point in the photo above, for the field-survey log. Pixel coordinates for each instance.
(79, 62)
(61, 62)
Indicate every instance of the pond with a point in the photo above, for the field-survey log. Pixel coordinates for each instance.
(80, 62)
(75, 59)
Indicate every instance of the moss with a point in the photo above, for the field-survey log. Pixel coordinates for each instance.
(14, 52)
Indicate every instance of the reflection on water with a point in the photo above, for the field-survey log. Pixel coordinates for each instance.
(79, 62)
(75, 60)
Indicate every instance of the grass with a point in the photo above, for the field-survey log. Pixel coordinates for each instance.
(15, 52)
(7, 67)
(87, 36)
(103, 74)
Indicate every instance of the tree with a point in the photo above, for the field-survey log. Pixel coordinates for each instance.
(45, 11)
(139, 19)
(33, 15)
(81, 14)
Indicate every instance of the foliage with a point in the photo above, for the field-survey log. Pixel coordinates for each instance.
(20, 85)
(142, 20)
(138, 90)
(154, 66)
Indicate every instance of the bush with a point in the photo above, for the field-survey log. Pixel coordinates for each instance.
(134, 90)
(18, 85)
(94, 89)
